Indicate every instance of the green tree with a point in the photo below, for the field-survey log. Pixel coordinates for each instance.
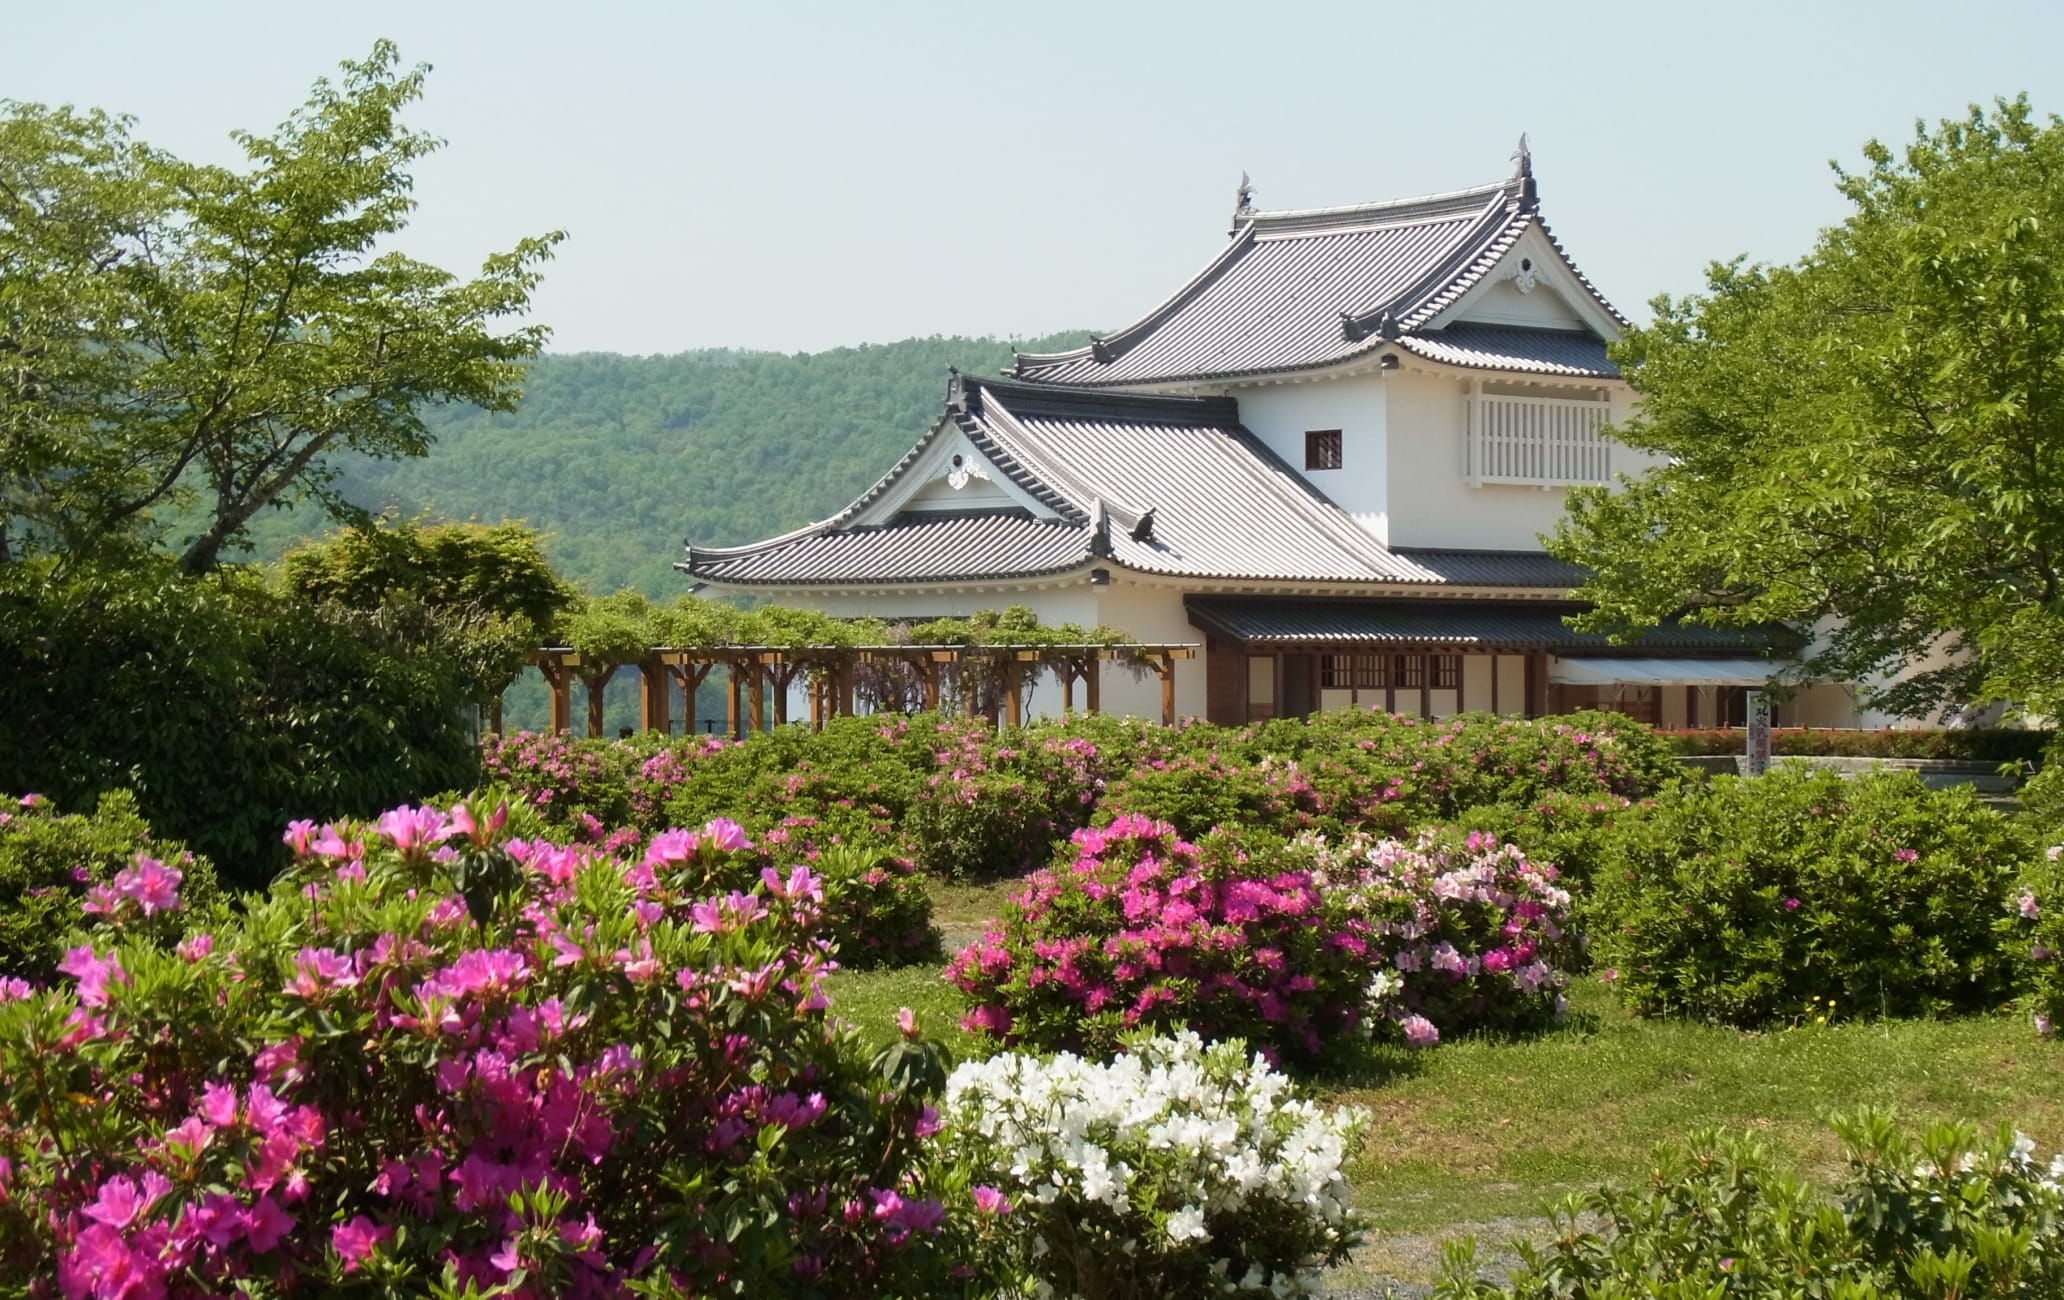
(1871, 439)
(205, 340)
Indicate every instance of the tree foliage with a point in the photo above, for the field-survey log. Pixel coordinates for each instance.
(1871, 439)
(201, 341)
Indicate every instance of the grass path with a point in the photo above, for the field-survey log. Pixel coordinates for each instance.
(1482, 1133)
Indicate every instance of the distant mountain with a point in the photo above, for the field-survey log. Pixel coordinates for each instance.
(619, 458)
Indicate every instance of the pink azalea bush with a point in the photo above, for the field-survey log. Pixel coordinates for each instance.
(1475, 934)
(2036, 918)
(440, 1057)
(1289, 950)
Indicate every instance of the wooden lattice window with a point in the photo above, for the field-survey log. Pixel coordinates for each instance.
(1411, 671)
(1322, 449)
(1350, 672)
(1447, 672)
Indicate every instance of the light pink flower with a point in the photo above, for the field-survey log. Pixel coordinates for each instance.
(725, 834)
(1420, 1032)
(94, 974)
(990, 1201)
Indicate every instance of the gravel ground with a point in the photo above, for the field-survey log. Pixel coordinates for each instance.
(1403, 1264)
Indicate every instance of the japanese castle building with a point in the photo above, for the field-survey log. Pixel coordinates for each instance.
(1327, 459)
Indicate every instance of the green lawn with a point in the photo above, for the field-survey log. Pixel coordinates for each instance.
(1478, 1131)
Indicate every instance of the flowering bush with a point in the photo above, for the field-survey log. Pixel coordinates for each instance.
(51, 863)
(2036, 918)
(1288, 951)
(991, 809)
(438, 1058)
(1474, 933)
(1175, 1170)
(1950, 1215)
(1144, 929)
(1742, 901)
(1195, 793)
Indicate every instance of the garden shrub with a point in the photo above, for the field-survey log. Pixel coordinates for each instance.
(2036, 921)
(1964, 744)
(1174, 1170)
(995, 806)
(435, 1059)
(1570, 832)
(1744, 901)
(1949, 1215)
(1474, 935)
(1196, 793)
(1289, 948)
(51, 863)
(224, 704)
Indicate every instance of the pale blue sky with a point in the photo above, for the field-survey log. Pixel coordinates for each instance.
(802, 176)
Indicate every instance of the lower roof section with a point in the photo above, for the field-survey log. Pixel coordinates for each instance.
(942, 546)
(1321, 622)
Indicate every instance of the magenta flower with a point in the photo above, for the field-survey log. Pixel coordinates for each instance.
(671, 846)
(118, 1204)
(153, 885)
(298, 836)
(317, 971)
(94, 974)
(414, 830)
(990, 1201)
(1904, 855)
(355, 1241)
(219, 1104)
(195, 946)
(726, 835)
(1791, 905)
(266, 1224)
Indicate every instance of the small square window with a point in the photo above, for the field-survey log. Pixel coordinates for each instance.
(1322, 449)
(1447, 672)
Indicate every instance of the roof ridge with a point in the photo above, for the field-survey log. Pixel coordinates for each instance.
(1443, 203)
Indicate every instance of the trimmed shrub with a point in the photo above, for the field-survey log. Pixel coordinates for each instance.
(2036, 921)
(1475, 935)
(1950, 1215)
(50, 864)
(438, 1060)
(1747, 901)
(1289, 949)
(1174, 1170)
(1967, 744)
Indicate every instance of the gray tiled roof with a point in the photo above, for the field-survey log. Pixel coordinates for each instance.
(1509, 347)
(1224, 505)
(1297, 290)
(1534, 625)
(935, 546)
(1494, 568)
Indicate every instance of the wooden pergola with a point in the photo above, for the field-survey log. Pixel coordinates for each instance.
(829, 670)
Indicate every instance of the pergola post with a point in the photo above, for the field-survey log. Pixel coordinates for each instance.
(691, 677)
(1164, 664)
(931, 683)
(596, 679)
(655, 688)
(1014, 693)
(756, 698)
(734, 700)
(560, 717)
(844, 680)
(820, 692)
(1093, 685)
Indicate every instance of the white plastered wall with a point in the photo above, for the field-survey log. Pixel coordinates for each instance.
(1281, 414)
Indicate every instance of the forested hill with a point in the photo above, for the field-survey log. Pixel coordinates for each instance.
(618, 458)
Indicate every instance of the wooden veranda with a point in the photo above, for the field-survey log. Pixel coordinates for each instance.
(760, 679)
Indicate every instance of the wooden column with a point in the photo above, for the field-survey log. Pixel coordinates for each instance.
(756, 696)
(1014, 693)
(734, 699)
(820, 691)
(494, 712)
(655, 703)
(597, 682)
(561, 681)
(1537, 683)
(1066, 672)
(691, 677)
(931, 684)
(1093, 686)
(1165, 666)
(844, 700)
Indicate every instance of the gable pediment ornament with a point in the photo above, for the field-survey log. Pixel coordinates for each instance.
(963, 471)
(1526, 275)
